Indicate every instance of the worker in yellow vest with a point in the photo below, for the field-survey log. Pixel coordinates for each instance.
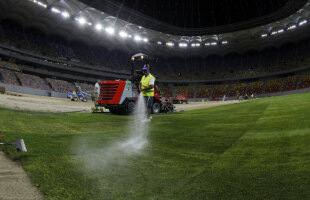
(146, 87)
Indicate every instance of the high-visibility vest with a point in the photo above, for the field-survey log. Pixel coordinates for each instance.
(145, 83)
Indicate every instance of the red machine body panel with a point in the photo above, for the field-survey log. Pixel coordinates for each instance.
(111, 92)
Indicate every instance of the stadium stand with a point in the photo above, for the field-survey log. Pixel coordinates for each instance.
(290, 83)
(305, 81)
(185, 91)
(203, 92)
(60, 85)
(256, 88)
(219, 91)
(273, 86)
(8, 77)
(32, 81)
(241, 88)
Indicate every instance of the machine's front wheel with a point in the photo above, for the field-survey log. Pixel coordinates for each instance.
(156, 108)
(131, 107)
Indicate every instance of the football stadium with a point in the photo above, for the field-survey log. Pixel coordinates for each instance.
(154, 99)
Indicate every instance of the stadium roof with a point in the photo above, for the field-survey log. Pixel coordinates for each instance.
(198, 17)
(75, 20)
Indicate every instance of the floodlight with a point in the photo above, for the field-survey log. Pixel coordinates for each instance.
(40, 4)
(291, 27)
(138, 38)
(123, 34)
(81, 20)
(110, 30)
(195, 44)
(264, 35)
(280, 31)
(182, 44)
(55, 10)
(170, 44)
(213, 43)
(302, 22)
(274, 33)
(225, 42)
(145, 40)
(65, 14)
(98, 27)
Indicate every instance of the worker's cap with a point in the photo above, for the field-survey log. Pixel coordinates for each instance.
(145, 68)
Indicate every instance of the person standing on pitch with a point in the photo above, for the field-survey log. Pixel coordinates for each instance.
(146, 87)
(96, 92)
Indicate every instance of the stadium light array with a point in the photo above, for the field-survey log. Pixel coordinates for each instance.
(65, 14)
(213, 43)
(81, 20)
(195, 44)
(40, 3)
(55, 10)
(274, 33)
(291, 27)
(302, 22)
(170, 44)
(137, 38)
(123, 34)
(110, 30)
(98, 27)
(182, 44)
(264, 35)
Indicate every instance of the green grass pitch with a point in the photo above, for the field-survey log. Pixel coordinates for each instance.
(259, 149)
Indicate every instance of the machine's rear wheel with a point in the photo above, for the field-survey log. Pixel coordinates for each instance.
(156, 108)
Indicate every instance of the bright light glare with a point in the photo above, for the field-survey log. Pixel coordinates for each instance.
(110, 30)
(182, 44)
(40, 3)
(208, 44)
(81, 20)
(138, 38)
(170, 44)
(195, 44)
(159, 43)
(123, 34)
(213, 43)
(145, 40)
(225, 42)
(65, 14)
(264, 35)
(55, 10)
(291, 27)
(302, 22)
(98, 27)
(274, 32)
(280, 31)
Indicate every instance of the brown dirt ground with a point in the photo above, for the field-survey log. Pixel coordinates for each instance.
(49, 104)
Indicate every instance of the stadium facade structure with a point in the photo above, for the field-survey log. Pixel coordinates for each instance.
(268, 32)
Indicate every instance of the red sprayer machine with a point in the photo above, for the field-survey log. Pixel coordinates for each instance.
(120, 96)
